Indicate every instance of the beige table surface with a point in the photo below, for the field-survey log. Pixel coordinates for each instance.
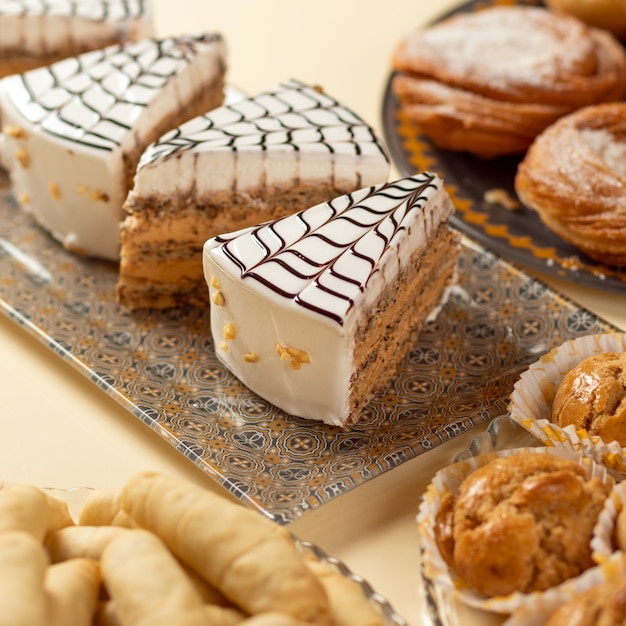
(60, 430)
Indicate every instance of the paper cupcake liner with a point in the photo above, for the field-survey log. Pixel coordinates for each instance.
(603, 543)
(451, 588)
(531, 400)
(538, 616)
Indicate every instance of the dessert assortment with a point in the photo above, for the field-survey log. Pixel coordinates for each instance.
(275, 214)
(487, 522)
(164, 371)
(123, 154)
(160, 550)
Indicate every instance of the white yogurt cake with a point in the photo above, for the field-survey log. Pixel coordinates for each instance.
(40, 32)
(315, 311)
(246, 162)
(73, 131)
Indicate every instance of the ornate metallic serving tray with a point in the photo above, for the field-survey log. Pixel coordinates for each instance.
(161, 366)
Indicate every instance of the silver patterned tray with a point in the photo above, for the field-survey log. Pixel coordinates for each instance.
(161, 366)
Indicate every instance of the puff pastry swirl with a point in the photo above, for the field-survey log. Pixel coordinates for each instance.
(489, 81)
(574, 177)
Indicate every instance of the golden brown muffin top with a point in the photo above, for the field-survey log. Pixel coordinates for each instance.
(521, 523)
(592, 396)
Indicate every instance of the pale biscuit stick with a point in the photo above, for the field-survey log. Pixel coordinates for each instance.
(146, 582)
(72, 587)
(252, 560)
(348, 602)
(24, 507)
(102, 508)
(23, 562)
(89, 541)
(81, 541)
(59, 515)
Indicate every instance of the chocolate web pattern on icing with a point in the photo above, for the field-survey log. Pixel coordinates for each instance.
(92, 99)
(324, 256)
(99, 10)
(293, 116)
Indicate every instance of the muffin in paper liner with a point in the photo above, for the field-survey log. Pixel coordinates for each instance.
(531, 400)
(452, 590)
(611, 561)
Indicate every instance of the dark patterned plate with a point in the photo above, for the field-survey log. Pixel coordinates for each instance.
(161, 366)
(517, 235)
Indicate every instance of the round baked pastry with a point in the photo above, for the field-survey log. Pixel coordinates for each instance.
(607, 14)
(520, 523)
(574, 177)
(488, 82)
(592, 396)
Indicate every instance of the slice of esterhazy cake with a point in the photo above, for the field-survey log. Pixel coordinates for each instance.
(315, 311)
(246, 162)
(73, 131)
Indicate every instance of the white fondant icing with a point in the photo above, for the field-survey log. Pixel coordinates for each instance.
(307, 281)
(289, 135)
(78, 118)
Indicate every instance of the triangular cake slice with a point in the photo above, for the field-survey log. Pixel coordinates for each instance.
(73, 131)
(41, 32)
(315, 312)
(246, 162)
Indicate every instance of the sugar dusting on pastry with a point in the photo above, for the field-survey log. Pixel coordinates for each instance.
(488, 82)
